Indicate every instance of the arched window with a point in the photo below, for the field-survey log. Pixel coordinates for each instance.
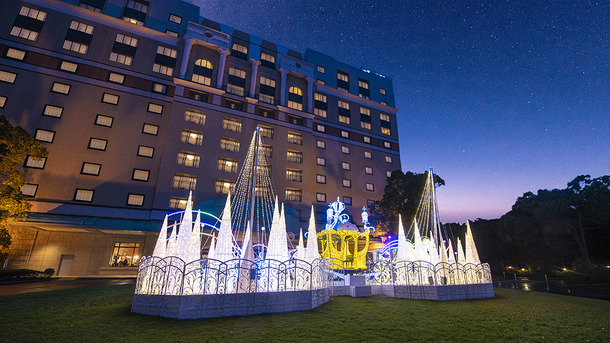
(295, 90)
(202, 72)
(295, 98)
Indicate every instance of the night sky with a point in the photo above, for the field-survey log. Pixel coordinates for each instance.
(499, 97)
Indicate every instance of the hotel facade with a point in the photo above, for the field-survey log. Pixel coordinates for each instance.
(140, 102)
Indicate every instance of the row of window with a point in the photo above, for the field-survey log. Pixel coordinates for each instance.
(343, 84)
(83, 195)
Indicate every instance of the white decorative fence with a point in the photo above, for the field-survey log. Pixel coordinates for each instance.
(211, 288)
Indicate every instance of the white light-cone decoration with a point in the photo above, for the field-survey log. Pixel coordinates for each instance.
(224, 242)
(403, 253)
(420, 253)
(277, 246)
(212, 250)
(172, 242)
(472, 255)
(451, 254)
(461, 258)
(194, 247)
(247, 252)
(184, 233)
(301, 246)
(161, 246)
(312, 253)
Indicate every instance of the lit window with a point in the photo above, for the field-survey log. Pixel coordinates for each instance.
(321, 69)
(320, 197)
(345, 149)
(237, 73)
(188, 159)
(175, 19)
(293, 194)
(140, 175)
(344, 119)
(240, 48)
(171, 33)
(231, 125)
(178, 203)
(45, 135)
(388, 159)
(68, 66)
(155, 108)
(370, 187)
(294, 175)
(344, 134)
(195, 117)
(322, 98)
(145, 151)
(24, 33)
(229, 144)
(52, 111)
(320, 105)
(202, 73)
(320, 178)
(85, 195)
(161, 50)
(120, 58)
(295, 98)
(184, 181)
(116, 78)
(161, 69)
(385, 131)
(267, 81)
(3, 101)
(89, 7)
(135, 199)
(295, 90)
(31, 162)
(61, 88)
(388, 173)
(224, 186)
(138, 6)
(368, 170)
(321, 161)
(347, 183)
(267, 57)
(363, 84)
(322, 82)
(237, 90)
(346, 166)
(159, 88)
(347, 200)
(367, 154)
(266, 131)
(295, 138)
(97, 144)
(110, 98)
(387, 145)
(343, 104)
(91, 168)
(365, 111)
(7, 77)
(365, 125)
(227, 165)
(320, 128)
(383, 102)
(191, 137)
(15, 54)
(123, 39)
(382, 91)
(295, 105)
(150, 129)
(342, 77)
(366, 139)
(321, 144)
(103, 120)
(294, 156)
(384, 117)
(33, 13)
(28, 34)
(29, 190)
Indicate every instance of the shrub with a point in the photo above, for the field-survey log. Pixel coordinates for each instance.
(24, 274)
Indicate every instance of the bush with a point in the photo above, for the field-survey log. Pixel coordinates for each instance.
(24, 274)
(597, 274)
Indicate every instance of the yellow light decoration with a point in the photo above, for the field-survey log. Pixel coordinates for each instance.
(342, 238)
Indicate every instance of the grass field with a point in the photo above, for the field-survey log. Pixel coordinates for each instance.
(102, 314)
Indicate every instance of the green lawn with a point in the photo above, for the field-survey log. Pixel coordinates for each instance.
(103, 314)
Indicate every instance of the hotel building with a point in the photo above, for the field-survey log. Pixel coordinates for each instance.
(140, 102)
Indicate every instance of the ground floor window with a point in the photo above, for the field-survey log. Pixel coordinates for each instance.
(125, 255)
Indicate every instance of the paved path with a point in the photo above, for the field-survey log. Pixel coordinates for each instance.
(60, 283)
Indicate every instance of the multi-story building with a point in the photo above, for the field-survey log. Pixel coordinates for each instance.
(140, 102)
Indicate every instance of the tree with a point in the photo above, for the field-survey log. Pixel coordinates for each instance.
(15, 145)
(578, 211)
(401, 195)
